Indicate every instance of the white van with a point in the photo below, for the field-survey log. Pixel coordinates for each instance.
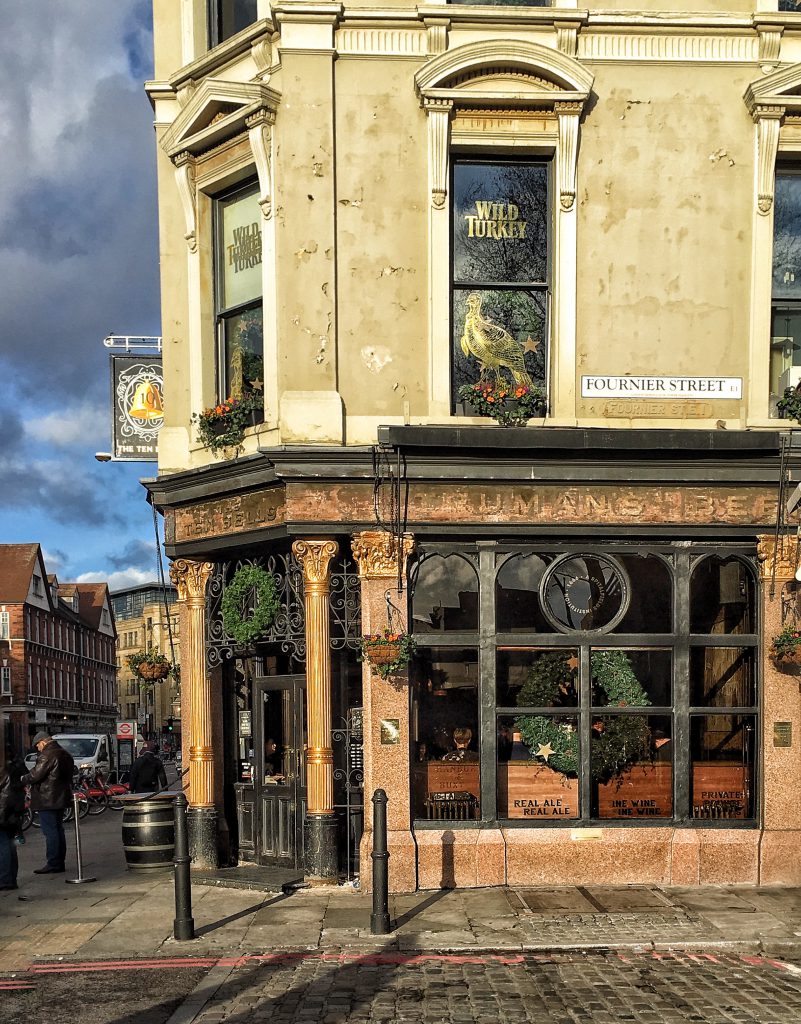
(89, 750)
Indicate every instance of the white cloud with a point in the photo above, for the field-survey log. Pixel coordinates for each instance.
(66, 427)
(121, 580)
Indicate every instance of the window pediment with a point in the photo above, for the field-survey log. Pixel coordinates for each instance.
(217, 111)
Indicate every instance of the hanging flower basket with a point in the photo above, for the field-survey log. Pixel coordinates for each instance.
(149, 665)
(785, 652)
(221, 428)
(387, 653)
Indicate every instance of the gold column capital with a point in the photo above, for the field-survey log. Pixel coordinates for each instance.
(784, 557)
(190, 578)
(376, 553)
(315, 557)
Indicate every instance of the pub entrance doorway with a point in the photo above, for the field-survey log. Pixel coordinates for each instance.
(279, 780)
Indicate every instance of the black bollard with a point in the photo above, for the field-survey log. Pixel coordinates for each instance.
(379, 919)
(184, 924)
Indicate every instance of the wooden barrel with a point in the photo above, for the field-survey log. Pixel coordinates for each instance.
(148, 834)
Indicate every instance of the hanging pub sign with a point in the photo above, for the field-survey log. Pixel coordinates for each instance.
(137, 387)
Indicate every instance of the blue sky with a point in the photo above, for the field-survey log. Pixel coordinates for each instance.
(78, 260)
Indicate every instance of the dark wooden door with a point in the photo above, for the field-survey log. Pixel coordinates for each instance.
(280, 769)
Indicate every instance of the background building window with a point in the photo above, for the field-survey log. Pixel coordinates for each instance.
(5, 681)
(238, 276)
(500, 273)
(227, 17)
(785, 342)
(4, 626)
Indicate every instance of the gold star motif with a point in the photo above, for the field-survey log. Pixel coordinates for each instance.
(545, 751)
(529, 345)
(257, 384)
(572, 663)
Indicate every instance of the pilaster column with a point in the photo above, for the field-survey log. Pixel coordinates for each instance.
(320, 825)
(190, 579)
(386, 765)
(781, 702)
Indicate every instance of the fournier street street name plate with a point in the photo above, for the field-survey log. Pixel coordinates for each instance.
(602, 386)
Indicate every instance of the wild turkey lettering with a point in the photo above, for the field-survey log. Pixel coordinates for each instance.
(495, 220)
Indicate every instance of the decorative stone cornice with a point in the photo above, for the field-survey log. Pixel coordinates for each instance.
(190, 578)
(780, 562)
(376, 553)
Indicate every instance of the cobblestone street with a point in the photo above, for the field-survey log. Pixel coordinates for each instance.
(652, 988)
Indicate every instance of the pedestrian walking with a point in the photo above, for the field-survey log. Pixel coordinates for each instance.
(148, 774)
(12, 807)
(51, 792)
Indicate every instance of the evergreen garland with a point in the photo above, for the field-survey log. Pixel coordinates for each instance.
(246, 579)
(618, 742)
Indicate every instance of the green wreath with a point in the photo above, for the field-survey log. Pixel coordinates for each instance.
(236, 603)
(623, 739)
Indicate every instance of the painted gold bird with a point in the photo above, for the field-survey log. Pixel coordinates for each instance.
(492, 346)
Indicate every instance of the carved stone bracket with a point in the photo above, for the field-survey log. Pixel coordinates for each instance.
(568, 115)
(779, 563)
(259, 127)
(262, 53)
(439, 121)
(770, 43)
(437, 30)
(567, 37)
(376, 553)
(185, 180)
(768, 122)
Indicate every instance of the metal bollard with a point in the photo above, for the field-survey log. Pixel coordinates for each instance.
(80, 879)
(184, 924)
(379, 919)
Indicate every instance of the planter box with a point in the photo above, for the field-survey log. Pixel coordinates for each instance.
(643, 791)
(536, 793)
(721, 790)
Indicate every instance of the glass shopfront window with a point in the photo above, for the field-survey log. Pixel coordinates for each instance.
(609, 685)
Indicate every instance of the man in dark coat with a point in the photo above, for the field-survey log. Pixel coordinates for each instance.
(51, 791)
(148, 772)
(12, 807)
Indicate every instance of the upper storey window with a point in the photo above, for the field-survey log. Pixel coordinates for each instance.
(785, 349)
(227, 17)
(499, 274)
(240, 337)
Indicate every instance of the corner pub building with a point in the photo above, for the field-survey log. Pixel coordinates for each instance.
(384, 232)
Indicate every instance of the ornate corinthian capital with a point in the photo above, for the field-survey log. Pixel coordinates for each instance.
(190, 578)
(315, 557)
(784, 557)
(376, 553)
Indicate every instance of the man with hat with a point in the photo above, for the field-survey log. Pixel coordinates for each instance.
(51, 792)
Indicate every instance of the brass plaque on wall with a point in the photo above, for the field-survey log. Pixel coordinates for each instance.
(390, 731)
(782, 734)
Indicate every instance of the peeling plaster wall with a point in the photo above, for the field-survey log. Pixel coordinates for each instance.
(381, 239)
(663, 265)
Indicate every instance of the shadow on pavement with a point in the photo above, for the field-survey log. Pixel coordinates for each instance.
(242, 913)
(429, 901)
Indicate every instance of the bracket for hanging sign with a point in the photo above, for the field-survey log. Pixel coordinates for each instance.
(127, 342)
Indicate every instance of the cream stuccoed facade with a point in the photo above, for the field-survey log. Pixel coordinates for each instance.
(365, 210)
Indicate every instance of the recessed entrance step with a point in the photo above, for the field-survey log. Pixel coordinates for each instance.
(251, 876)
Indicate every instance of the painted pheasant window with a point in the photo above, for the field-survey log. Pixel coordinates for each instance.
(500, 285)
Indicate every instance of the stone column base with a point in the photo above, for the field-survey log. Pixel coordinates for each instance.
(320, 844)
(402, 861)
(202, 826)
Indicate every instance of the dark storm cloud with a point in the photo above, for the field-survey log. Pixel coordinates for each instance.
(78, 242)
(137, 554)
(53, 487)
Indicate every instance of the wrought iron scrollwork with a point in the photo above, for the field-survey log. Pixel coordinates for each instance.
(288, 630)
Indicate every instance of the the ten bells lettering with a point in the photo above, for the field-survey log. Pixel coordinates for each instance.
(495, 220)
(245, 250)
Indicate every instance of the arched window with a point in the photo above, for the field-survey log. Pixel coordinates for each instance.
(445, 595)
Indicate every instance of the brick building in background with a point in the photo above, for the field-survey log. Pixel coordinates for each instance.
(57, 651)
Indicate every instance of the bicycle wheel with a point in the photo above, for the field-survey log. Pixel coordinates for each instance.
(115, 803)
(27, 819)
(97, 803)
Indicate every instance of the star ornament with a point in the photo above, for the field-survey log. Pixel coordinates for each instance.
(572, 663)
(529, 345)
(545, 751)
(257, 384)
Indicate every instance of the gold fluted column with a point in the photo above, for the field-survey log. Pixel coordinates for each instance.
(190, 579)
(320, 825)
(386, 766)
